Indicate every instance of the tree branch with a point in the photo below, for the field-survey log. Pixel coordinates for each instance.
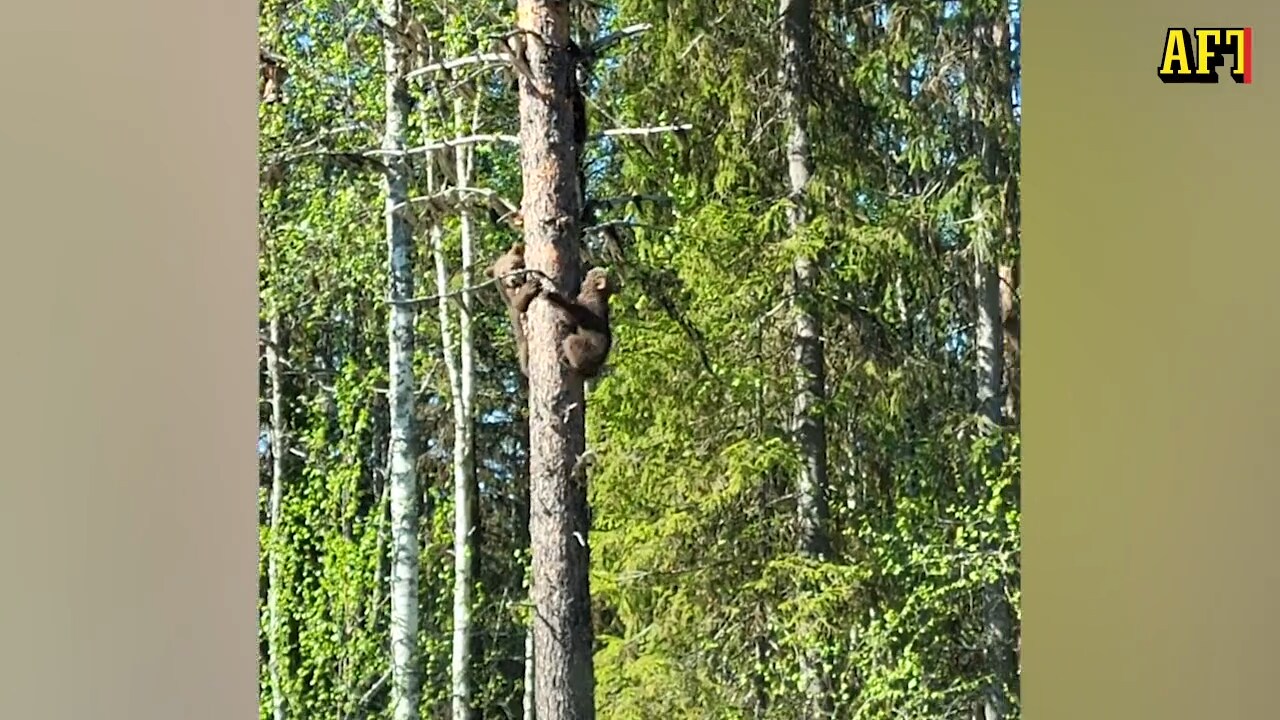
(303, 149)
(612, 39)
(479, 58)
(447, 144)
(643, 131)
(360, 711)
(452, 293)
(457, 195)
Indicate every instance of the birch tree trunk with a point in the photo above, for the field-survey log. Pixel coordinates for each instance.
(809, 424)
(279, 438)
(279, 450)
(464, 494)
(405, 679)
(564, 674)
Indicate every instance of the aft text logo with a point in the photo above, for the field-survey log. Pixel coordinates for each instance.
(1194, 57)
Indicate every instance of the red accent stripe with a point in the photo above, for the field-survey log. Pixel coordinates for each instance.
(1248, 55)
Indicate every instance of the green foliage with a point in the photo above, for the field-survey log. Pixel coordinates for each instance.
(704, 606)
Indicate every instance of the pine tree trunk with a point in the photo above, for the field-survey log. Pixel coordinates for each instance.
(810, 426)
(405, 678)
(563, 669)
(275, 508)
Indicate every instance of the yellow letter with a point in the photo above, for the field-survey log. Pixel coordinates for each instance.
(1207, 40)
(1175, 53)
(1235, 38)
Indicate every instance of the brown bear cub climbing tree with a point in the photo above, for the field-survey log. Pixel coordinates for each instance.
(517, 289)
(590, 338)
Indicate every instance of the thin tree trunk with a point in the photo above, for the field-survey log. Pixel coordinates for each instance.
(462, 384)
(279, 451)
(810, 426)
(997, 614)
(405, 563)
(993, 108)
(564, 674)
(275, 508)
(462, 519)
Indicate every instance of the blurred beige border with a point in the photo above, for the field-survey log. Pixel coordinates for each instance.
(1151, 379)
(128, 391)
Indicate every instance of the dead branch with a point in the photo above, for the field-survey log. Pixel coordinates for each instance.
(453, 293)
(612, 39)
(610, 203)
(308, 147)
(503, 58)
(643, 131)
(479, 58)
(447, 144)
(361, 708)
(457, 195)
(604, 227)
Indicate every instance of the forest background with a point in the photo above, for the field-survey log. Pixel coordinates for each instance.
(739, 567)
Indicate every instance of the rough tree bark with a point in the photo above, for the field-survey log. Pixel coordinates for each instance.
(809, 424)
(275, 507)
(405, 678)
(563, 670)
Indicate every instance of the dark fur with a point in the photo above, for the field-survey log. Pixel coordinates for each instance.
(587, 346)
(517, 292)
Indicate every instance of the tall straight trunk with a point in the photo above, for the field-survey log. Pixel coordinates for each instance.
(461, 382)
(405, 678)
(997, 614)
(993, 108)
(275, 509)
(461, 457)
(809, 424)
(279, 451)
(564, 674)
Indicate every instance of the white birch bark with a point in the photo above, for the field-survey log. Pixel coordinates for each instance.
(279, 437)
(405, 678)
(458, 355)
(528, 703)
